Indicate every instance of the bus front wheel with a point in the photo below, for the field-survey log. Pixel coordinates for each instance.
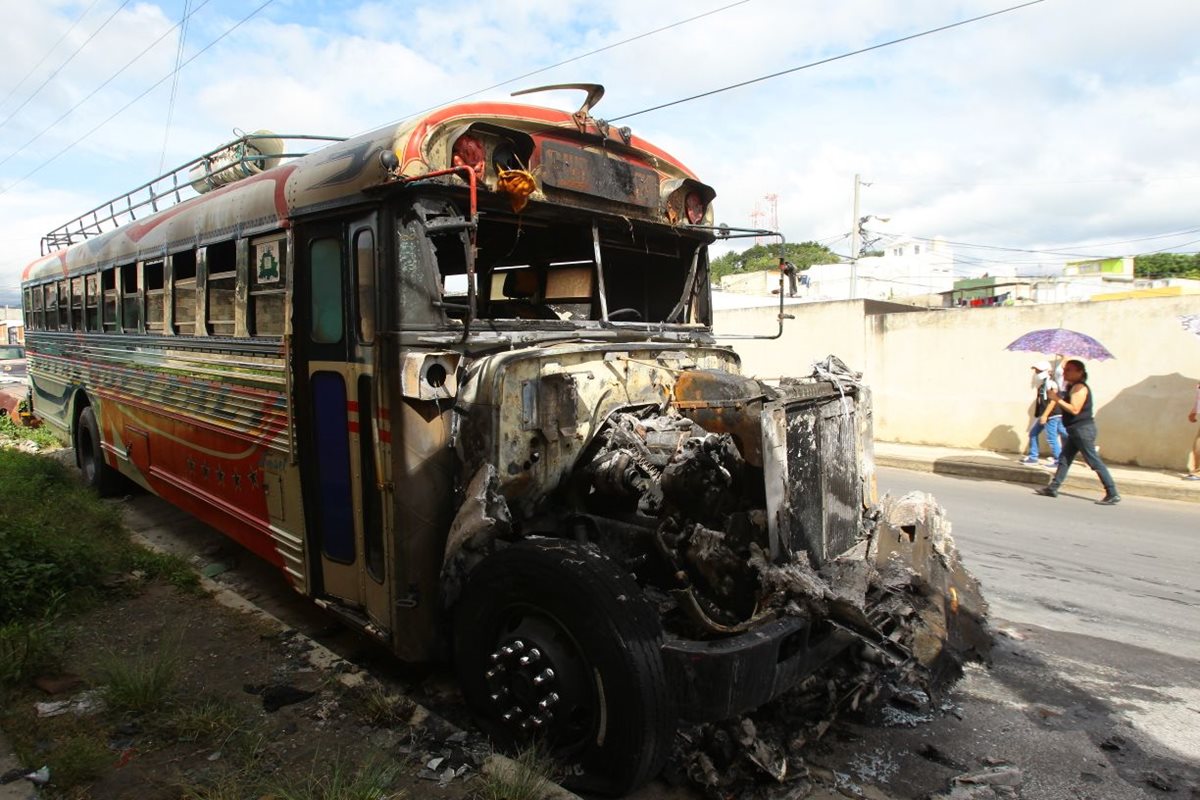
(97, 474)
(555, 644)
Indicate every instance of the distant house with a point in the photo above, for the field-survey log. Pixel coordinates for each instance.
(907, 268)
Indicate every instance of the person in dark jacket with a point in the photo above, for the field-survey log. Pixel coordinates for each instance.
(1080, 426)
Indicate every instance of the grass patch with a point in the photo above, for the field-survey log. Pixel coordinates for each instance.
(527, 777)
(340, 780)
(375, 704)
(56, 538)
(31, 647)
(142, 684)
(77, 760)
(41, 436)
(208, 718)
(165, 566)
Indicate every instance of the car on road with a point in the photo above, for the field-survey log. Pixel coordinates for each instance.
(12, 378)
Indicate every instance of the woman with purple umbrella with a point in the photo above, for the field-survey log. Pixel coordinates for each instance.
(1080, 426)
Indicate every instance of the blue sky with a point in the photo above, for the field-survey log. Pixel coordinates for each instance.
(1065, 127)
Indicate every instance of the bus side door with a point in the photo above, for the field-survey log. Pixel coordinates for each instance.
(337, 405)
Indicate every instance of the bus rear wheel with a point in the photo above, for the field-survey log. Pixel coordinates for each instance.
(97, 474)
(556, 645)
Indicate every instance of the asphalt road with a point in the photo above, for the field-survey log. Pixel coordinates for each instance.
(1126, 573)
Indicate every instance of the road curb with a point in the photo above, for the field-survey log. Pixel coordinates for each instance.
(1086, 482)
(346, 673)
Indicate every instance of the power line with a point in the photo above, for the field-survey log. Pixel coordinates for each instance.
(1057, 252)
(78, 50)
(109, 80)
(54, 46)
(183, 26)
(571, 60)
(1063, 182)
(122, 109)
(828, 60)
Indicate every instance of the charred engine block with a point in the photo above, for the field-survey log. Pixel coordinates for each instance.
(733, 477)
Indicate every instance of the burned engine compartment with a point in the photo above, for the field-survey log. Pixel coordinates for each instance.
(746, 513)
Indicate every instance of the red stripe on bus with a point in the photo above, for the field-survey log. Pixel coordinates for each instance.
(412, 149)
(352, 426)
(385, 437)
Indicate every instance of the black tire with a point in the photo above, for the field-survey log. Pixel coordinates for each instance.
(612, 723)
(97, 474)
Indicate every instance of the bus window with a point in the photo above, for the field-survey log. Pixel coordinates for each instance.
(152, 277)
(131, 301)
(91, 302)
(109, 307)
(325, 280)
(77, 304)
(34, 303)
(221, 262)
(364, 272)
(63, 289)
(268, 286)
(183, 299)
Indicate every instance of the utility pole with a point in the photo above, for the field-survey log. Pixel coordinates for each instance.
(855, 241)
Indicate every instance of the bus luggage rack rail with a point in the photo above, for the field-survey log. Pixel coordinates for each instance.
(247, 155)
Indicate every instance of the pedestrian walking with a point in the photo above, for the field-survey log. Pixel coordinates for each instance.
(1194, 474)
(1080, 426)
(1047, 416)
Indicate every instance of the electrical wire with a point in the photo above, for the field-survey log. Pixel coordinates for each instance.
(183, 26)
(569, 61)
(122, 109)
(78, 50)
(95, 91)
(831, 59)
(54, 46)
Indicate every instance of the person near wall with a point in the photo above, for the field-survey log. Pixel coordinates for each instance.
(1080, 425)
(1194, 475)
(1047, 416)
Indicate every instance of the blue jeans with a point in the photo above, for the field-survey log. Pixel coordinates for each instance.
(1053, 428)
(1081, 439)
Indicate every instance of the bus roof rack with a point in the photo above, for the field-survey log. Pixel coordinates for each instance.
(248, 154)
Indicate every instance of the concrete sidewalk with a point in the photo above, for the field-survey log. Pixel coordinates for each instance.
(988, 465)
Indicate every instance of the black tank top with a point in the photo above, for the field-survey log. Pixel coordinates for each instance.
(1085, 413)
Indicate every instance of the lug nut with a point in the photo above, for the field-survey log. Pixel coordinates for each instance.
(548, 701)
(542, 677)
(537, 721)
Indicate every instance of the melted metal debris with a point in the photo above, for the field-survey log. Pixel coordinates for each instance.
(918, 616)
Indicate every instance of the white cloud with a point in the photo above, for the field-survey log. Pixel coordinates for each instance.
(1063, 124)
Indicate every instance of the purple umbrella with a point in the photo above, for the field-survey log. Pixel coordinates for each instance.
(1060, 341)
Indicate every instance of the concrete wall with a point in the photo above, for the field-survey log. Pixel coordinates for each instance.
(944, 377)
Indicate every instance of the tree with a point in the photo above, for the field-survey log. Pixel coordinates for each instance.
(766, 257)
(1167, 265)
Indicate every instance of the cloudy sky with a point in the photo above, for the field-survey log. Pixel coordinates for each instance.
(1064, 129)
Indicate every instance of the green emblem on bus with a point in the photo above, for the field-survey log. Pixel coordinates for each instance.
(268, 265)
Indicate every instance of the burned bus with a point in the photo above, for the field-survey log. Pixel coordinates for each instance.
(457, 379)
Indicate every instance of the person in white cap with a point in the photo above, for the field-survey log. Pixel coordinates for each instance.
(1047, 416)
